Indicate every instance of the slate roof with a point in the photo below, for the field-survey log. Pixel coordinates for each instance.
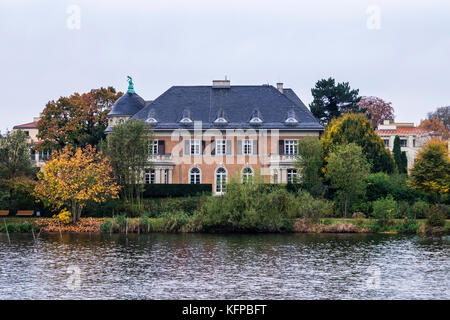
(127, 105)
(235, 104)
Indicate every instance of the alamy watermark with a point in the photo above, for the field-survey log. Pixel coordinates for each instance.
(73, 282)
(374, 17)
(73, 21)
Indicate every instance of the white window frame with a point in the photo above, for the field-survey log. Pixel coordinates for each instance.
(292, 175)
(406, 143)
(166, 176)
(290, 147)
(220, 180)
(150, 176)
(194, 147)
(154, 147)
(247, 175)
(247, 147)
(195, 178)
(386, 142)
(221, 147)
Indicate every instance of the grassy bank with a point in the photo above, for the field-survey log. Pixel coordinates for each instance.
(186, 223)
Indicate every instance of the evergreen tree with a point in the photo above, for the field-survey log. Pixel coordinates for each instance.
(399, 156)
(331, 100)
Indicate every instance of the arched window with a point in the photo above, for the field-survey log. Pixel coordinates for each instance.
(247, 175)
(194, 176)
(221, 180)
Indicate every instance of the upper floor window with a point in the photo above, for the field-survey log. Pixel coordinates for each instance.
(247, 147)
(195, 147)
(403, 143)
(221, 147)
(154, 147)
(386, 143)
(194, 176)
(290, 147)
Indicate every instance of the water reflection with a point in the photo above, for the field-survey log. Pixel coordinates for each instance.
(202, 266)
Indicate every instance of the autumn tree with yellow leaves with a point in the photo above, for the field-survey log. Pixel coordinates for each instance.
(431, 170)
(73, 178)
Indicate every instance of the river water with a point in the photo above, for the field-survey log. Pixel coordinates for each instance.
(204, 266)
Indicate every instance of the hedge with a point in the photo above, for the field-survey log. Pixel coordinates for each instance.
(176, 190)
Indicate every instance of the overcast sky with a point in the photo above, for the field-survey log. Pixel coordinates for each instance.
(396, 50)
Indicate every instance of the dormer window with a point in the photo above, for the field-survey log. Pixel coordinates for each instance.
(151, 118)
(221, 117)
(256, 117)
(291, 118)
(256, 120)
(220, 120)
(186, 119)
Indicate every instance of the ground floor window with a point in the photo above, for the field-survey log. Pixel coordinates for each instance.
(150, 176)
(292, 176)
(166, 176)
(221, 180)
(194, 176)
(275, 176)
(247, 175)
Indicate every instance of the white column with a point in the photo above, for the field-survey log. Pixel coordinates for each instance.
(170, 176)
(283, 175)
(157, 175)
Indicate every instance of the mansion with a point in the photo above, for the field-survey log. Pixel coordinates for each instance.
(208, 134)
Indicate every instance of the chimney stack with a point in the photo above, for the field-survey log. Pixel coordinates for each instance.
(280, 87)
(221, 84)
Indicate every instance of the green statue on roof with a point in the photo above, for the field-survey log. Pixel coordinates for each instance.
(130, 85)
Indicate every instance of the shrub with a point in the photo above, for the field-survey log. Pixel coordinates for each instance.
(311, 208)
(407, 226)
(248, 207)
(419, 209)
(435, 216)
(384, 210)
(64, 216)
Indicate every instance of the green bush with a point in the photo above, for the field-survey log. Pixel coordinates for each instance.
(385, 210)
(248, 207)
(435, 216)
(407, 226)
(419, 209)
(311, 208)
(380, 185)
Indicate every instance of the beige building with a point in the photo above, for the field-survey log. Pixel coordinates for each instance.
(31, 131)
(208, 134)
(412, 138)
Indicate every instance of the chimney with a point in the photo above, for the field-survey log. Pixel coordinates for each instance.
(221, 84)
(386, 122)
(280, 87)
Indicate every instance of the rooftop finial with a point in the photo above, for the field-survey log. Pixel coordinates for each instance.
(130, 85)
